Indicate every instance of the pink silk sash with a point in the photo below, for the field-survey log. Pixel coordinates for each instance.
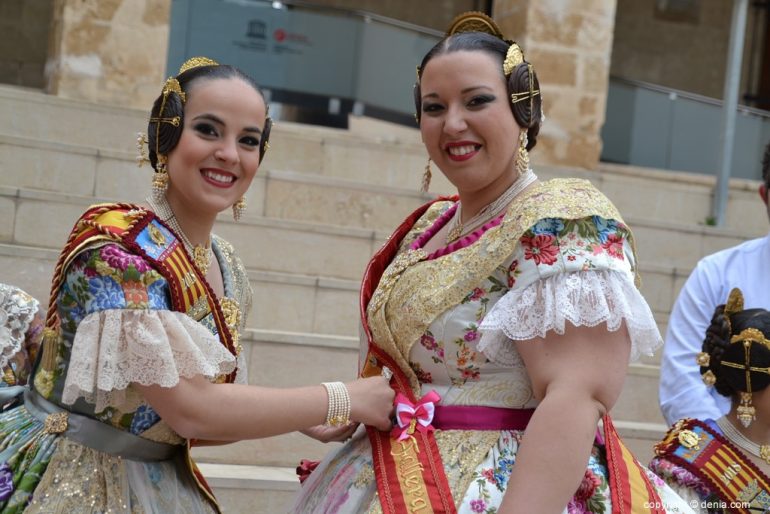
(461, 417)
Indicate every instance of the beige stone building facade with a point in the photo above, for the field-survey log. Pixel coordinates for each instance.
(115, 51)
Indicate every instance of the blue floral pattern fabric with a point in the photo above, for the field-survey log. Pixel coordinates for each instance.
(100, 279)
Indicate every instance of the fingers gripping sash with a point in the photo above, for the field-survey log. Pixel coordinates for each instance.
(410, 474)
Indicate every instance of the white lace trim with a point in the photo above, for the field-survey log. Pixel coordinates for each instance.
(113, 348)
(17, 310)
(584, 298)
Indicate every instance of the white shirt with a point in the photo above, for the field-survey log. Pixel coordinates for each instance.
(746, 266)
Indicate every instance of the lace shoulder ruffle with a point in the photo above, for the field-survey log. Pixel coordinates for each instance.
(113, 348)
(17, 311)
(583, 298)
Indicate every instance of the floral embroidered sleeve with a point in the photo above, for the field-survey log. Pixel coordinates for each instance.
(578, 271)
(118, 308)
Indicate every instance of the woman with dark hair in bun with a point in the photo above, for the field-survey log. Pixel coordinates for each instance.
(723, 465)
(510, 306)
(141, 354)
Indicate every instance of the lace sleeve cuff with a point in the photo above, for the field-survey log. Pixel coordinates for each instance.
(584, 298)
(113, 348)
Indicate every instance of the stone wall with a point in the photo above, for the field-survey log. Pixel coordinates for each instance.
(109, 51)
(687, 52)
(24, 28)
(569, 42)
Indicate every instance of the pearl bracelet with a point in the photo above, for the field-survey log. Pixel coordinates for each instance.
(338, 411)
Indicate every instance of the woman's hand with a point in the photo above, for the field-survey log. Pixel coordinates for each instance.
(371, 401)
(327, 434)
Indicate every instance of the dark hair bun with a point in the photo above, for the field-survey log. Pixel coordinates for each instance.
(528, 111)
(732, 380)
(165, 127)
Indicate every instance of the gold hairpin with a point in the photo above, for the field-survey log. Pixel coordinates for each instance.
(524, 95)
(171, 121)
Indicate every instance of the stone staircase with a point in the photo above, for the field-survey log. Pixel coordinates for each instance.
(323, 202)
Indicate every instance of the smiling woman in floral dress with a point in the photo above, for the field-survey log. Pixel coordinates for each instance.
(513, 306)
(141, 345)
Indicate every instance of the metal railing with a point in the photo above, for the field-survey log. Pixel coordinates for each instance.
(658, 127)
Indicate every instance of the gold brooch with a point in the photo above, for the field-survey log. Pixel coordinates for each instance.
(688, 439)
(55, 423)
(157, 236)
(703, 359)
(708, 378)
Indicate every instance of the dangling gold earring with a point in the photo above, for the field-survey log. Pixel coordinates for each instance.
(426, 178)
(522, 155)
(238, 208)
(160, 178)
(746, 411)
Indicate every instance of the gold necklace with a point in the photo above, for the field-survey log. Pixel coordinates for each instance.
(201, 255)
(736, 437)
(457, 229)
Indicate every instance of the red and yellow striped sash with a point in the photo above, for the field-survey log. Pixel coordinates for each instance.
(410, 474)
(631, 489)
(710, 456)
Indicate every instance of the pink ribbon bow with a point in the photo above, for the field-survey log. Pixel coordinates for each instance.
(411, 417)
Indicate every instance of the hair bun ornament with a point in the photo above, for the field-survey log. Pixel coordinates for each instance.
(474, 21)
(513, 58)
(172, 86)
(196, 62)
(734, 302)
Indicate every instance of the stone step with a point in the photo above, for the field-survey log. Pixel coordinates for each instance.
(49, 142)
(308, 303)
(358, 200)
(269, 489)
(282, 301)
(638, 402)
(241, 489)
(311, 250)
(316, 207)
(263, 243)
(33, 119)
(286, 359)
(308, 300)
(640, 437)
